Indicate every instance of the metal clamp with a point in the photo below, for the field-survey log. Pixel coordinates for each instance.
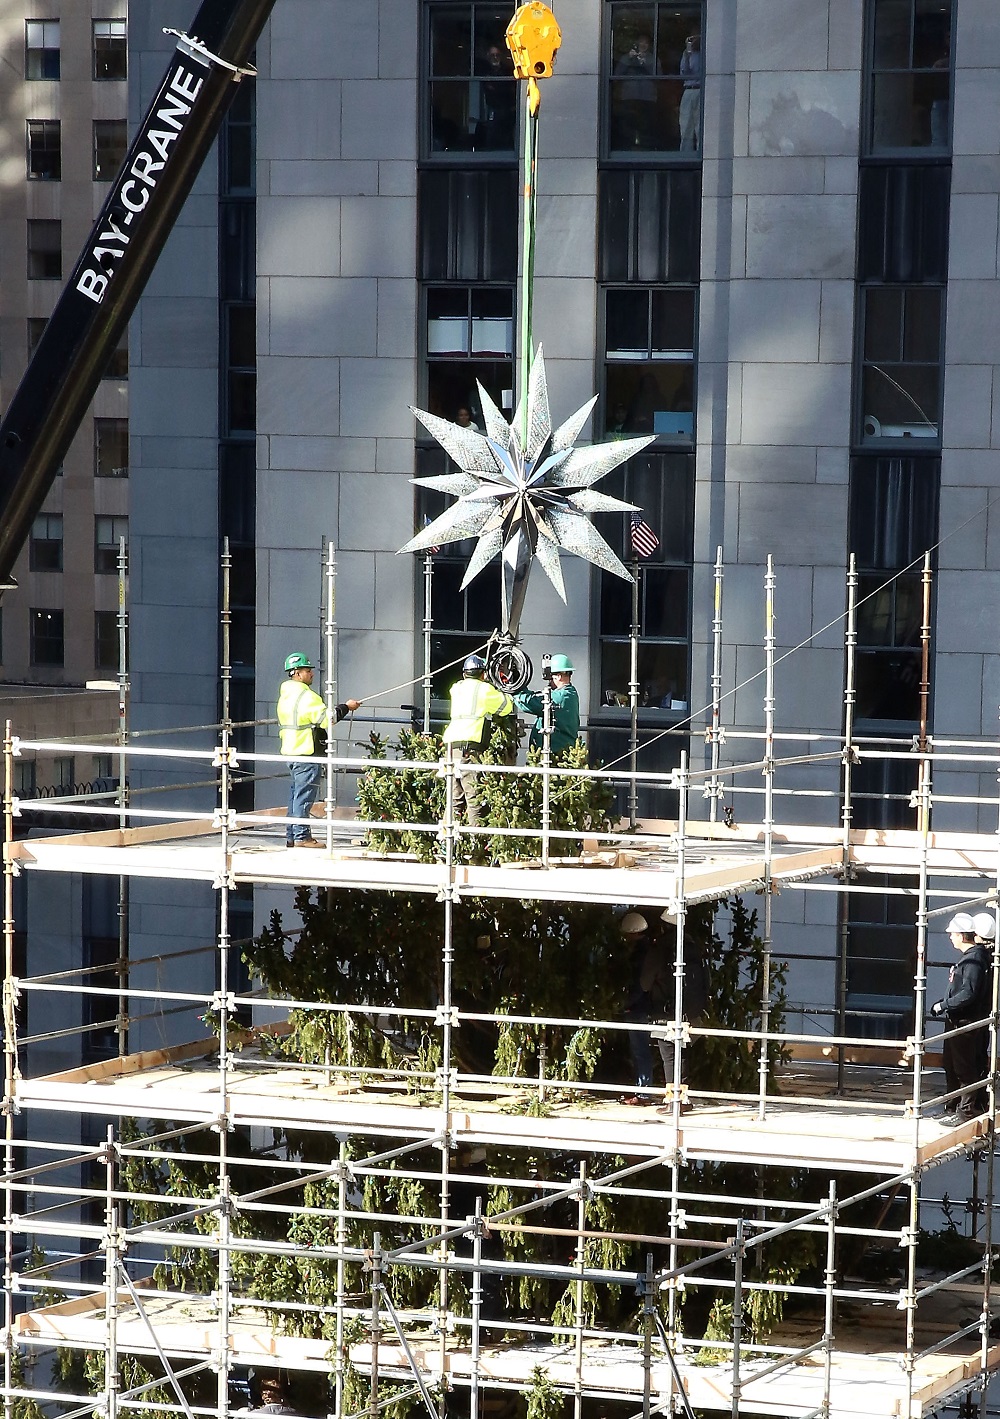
(197, 50)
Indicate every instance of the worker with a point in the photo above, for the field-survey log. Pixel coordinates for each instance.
(273, 1396)
(303, 723)
(565, 707)
(473, 701)
(968, 998)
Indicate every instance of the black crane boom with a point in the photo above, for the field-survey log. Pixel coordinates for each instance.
(97, 302)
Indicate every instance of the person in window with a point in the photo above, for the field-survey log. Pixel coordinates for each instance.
(689, 115)
(464, 419)
(637, 94)
(968, 998)
(498, 103)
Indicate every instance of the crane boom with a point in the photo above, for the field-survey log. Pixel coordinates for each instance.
(95, 306)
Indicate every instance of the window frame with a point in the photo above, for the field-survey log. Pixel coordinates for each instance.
(106, 552)
(872, 72)
(44, 50)
(685, 435)
(105, 427)
(112, 48)
(37, 254)
(45, 554)
(638, 155)
(102, 620)
(460, 156)
(908, 434)
(472, 359)
(56, 637)
(108, 170)
(38, 136)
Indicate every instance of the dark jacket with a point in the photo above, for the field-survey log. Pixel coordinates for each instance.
(968, 994)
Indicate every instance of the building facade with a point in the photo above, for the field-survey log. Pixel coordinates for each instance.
(767, 235)
(63, 86)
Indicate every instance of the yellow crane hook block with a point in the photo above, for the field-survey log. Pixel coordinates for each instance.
(533, 36)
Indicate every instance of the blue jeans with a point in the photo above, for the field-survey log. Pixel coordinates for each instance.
(301, 797)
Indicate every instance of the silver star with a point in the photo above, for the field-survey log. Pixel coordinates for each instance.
(524, 498)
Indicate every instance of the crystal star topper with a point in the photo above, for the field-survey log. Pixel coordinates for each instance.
(524, 497)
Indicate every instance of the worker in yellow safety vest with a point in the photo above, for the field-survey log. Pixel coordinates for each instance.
(473, 701)
(302, 722)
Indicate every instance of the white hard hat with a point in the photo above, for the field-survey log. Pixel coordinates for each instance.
(633, 924)
(984, 924)
(961, 922)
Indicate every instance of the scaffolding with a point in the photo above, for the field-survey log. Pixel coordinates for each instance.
(92, 1257)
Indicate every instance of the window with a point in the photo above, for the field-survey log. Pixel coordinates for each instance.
(901, 329)
(240, 357)
(101, 954)
(36, 325)
(108, 532)
(105, 767)
(903, 223)
(25, 781)
(110, 49)
(468, 224)
(881, 931)
(44, 250)
(893, 519)
(470, 333)
(106, 644)
(910, 84)
(662, 484)
(117, 366)
(110, 147)
(46, 546)
(649, 225)
(654, 82)
(44, 150)
(473, 95)
(110, 448)
(64, 773)
(41, 49)
(649, 361)
(462, 620)
(46, 638)
(237, 141)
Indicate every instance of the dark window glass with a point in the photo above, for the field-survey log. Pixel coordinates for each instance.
(44, 250)
(468, 224)
(649, 225)
(654, 83)
(46, 544)
(649, 362)
(893, 520)
(881, 937)
(110, 49)
(911, 69)
(106, 640)
(110, 146)
(41, 49)
(469, 341)
(101, 954)
(238, 492)
(46, 638)
(110, 448)
(108, 531)
(662, 485)
(462, 620)
(903, 223)
(241, 368)
(472, 92)
(658, 753)
(901, 362)
(44, 149)
(117, 366)
(881, 791)
(237, 256)
(238, 134)
(36, 324)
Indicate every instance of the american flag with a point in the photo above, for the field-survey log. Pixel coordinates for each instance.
(644, 539)
(427, 523)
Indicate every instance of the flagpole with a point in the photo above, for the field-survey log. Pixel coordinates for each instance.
(633, 693)
(428, 624)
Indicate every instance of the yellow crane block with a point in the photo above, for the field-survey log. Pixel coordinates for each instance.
(533, 36)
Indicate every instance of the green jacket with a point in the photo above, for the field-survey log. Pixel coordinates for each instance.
(565, 716)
